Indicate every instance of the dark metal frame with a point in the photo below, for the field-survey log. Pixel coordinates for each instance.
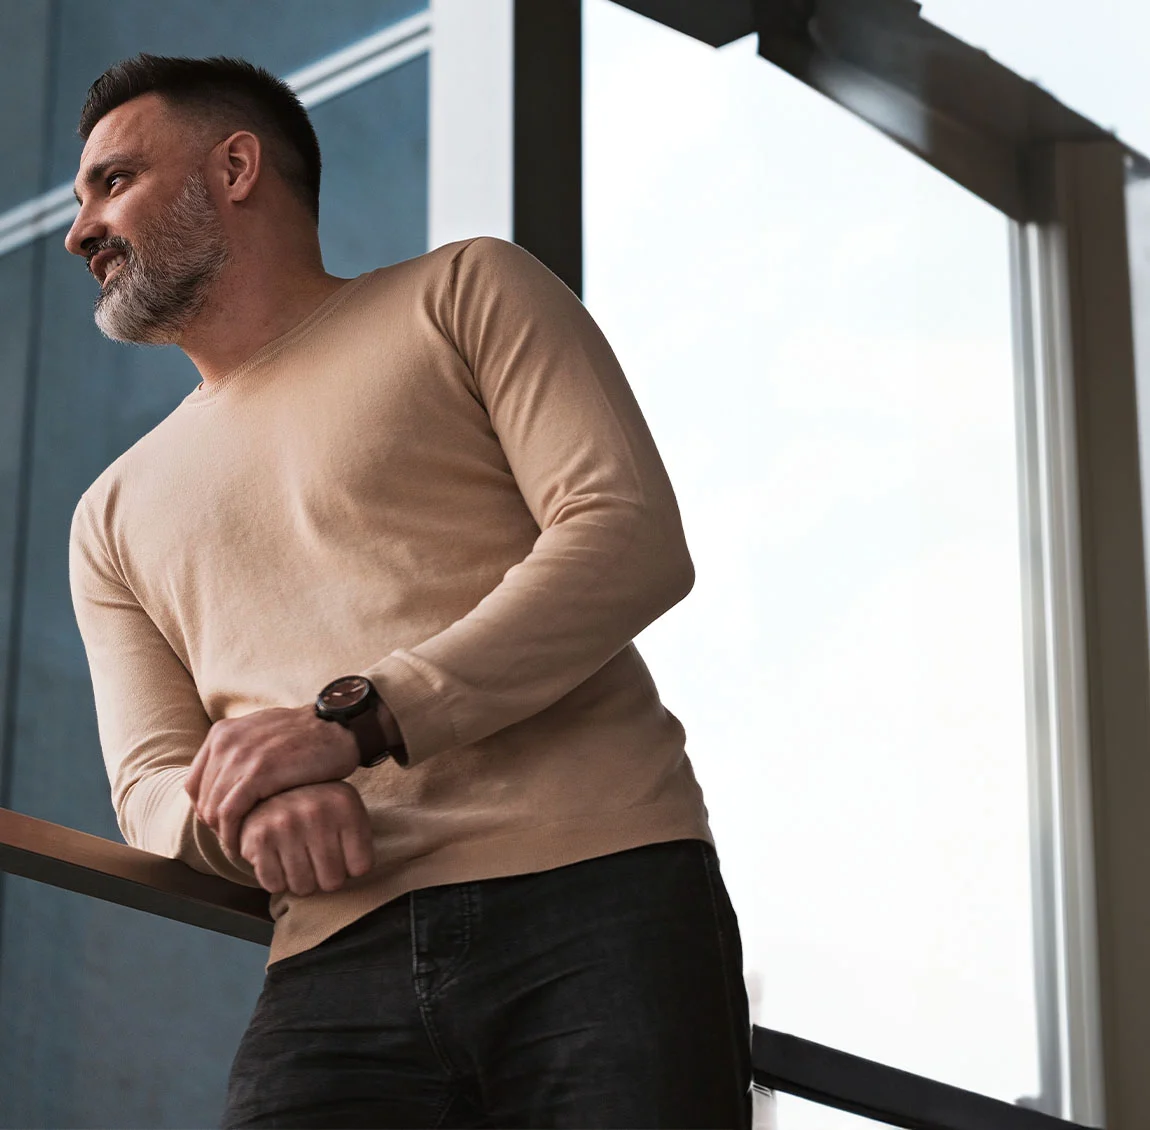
(547, 209)
(873, 1090)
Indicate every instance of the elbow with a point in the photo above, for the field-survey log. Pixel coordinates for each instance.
(125, 805)
(153, 812)
(671, 577)
(681, 578)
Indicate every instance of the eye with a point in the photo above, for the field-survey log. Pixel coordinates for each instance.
(113, 179)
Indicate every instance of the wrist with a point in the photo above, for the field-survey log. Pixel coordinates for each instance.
(353, 702)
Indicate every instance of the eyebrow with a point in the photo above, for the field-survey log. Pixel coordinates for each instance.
(97, 171)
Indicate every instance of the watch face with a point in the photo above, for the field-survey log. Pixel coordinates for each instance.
(345, 692)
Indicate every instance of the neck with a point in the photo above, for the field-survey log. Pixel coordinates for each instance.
(252, 304)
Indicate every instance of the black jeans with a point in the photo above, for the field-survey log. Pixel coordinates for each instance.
(604, 994)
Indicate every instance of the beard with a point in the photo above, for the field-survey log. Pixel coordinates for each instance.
(167, 274)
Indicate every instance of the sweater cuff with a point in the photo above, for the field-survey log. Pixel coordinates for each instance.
(412, 692)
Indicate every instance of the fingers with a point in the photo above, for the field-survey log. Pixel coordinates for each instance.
(195, 775)
(258, 845)
(269, 870)
(339, 843)
(327, 862)
(307, 839)
(244, 760)
(234, 770)
(297, 866)
(203, 777)
(356, 847)
(303, 868)
(228, 819)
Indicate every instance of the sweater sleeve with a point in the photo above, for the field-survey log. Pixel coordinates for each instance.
(610, 556)
(150, 716)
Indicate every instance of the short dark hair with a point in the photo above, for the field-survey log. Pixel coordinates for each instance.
(233, 92)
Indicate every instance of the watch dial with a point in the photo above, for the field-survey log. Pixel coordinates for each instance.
(345, 692)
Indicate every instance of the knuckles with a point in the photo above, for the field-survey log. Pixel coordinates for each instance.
(292, 817)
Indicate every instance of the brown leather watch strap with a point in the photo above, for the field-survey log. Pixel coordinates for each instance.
(370, 738)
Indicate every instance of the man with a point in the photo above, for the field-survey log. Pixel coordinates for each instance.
(358, 614)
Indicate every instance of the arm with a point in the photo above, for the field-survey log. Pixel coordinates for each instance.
(610, 556)
(609, 559)
(149, 712)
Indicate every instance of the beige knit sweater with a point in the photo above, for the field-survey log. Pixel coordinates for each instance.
(441, 480)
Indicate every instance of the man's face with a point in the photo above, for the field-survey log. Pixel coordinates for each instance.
(148, 227)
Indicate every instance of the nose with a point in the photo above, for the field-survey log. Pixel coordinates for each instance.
(86, 229)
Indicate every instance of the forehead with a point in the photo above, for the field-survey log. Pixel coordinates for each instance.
(146, 125)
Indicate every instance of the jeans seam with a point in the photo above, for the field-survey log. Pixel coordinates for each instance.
(423, 998)
(445, 1109)
(467, 893)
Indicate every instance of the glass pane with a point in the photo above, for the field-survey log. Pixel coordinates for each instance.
(1093, 59)
(817, 326)
(799, 1114)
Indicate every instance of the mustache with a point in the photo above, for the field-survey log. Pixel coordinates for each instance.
(112, 243)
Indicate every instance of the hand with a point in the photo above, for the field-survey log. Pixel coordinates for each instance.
(312, 837)
(246, 760)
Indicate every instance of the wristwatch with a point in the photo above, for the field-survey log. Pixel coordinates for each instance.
(352, 701)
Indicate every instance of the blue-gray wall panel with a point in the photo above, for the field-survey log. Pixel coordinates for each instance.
(373, 208)
(16, 303)
(24, 53)
(109, 1017)
(135, 1029)
(281, 35)
(25, 48)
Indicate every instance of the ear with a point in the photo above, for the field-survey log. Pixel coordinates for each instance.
(240, 159)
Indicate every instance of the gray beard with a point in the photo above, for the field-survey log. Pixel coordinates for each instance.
(150, 303)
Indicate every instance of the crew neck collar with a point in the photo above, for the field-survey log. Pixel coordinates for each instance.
(203, 394)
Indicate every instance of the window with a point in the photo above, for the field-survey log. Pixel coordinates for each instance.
(818, 328)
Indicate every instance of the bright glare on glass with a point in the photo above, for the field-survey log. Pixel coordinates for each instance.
(1091, 57)
(791, 1112)
(817, 326)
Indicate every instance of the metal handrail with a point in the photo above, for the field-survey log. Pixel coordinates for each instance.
(103, 869)
(89, 865)
(874, 1090)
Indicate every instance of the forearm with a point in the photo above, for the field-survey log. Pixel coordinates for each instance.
(156, 815)
(587, 589)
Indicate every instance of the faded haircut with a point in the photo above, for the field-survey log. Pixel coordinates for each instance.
(225, 93)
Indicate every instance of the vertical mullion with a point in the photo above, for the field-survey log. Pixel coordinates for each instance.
(548, 195)
(1072, 855)
(1105, 794)
(1034, 526)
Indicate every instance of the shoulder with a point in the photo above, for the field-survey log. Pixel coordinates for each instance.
(96, 508)
(490, 274)
(496, 258)
(469, 283)
(443, 265)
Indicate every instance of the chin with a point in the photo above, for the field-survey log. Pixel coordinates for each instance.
(133, 331)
